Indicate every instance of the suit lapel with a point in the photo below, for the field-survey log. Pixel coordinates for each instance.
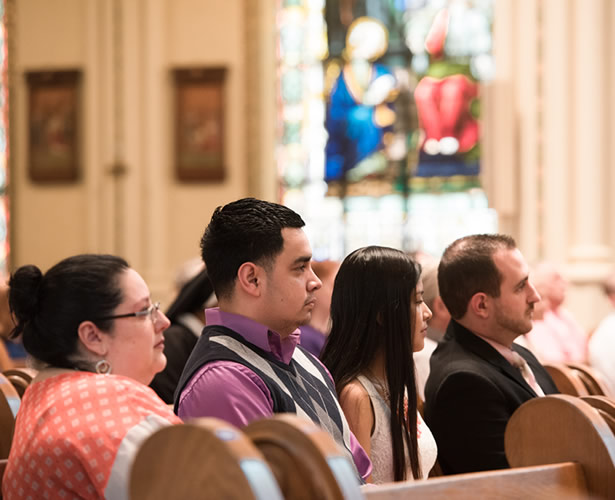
(479, 347)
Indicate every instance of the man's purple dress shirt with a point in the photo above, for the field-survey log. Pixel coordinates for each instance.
(232, 392)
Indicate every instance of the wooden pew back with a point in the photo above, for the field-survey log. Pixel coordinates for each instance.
(593, 381)
(563, 428)
(20, 378)
(558, 446)
(605, 407)
(203, 459)
(566, 380)
(547, 481)
(305, 459)
(9, 405)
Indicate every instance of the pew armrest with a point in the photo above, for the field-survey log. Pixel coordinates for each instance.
(544, 481)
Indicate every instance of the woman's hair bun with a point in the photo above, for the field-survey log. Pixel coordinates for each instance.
(24, 286)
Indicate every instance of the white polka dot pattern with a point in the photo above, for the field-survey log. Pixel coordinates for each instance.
(68, 430)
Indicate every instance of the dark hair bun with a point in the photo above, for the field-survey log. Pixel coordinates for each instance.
(24, 288)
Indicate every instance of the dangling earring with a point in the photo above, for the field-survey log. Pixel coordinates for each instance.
(103, 367)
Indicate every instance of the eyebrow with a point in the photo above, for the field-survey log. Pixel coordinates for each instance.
(302, 260)
(144, 303)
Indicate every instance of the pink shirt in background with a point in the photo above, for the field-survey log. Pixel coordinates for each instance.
(558, 338)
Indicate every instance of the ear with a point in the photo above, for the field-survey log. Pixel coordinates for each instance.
(250, 278)
(92, 338)
(479, 305)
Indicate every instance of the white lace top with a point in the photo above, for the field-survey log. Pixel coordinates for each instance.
(381, 443)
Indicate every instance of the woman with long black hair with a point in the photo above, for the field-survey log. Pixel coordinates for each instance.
(378, 318)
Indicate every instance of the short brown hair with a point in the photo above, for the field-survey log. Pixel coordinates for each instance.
(467, 268)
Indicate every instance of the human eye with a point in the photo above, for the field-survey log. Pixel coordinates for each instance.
(146, 311)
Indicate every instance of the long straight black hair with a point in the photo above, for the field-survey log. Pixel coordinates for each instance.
(371, 312)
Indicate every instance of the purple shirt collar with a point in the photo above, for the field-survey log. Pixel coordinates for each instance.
(255, 333)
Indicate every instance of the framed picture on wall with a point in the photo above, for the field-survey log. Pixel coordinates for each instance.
(199, 123)
(53, 125)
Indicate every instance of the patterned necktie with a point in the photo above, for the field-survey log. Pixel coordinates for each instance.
(526, 372)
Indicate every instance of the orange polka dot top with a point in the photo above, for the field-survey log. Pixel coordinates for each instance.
(76, 435)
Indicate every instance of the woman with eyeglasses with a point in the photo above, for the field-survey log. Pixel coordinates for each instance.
(90, 325)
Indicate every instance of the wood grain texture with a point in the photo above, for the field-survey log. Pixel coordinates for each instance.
(198, 460)
(566, 380)
(593, 380)
(20, 378)
(299, 452)
(559, 481)
(563, 428)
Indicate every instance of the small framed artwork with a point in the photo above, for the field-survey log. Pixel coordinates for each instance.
(199, 123)
(53, 125)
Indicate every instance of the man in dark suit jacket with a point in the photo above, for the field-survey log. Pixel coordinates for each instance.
(478, 376)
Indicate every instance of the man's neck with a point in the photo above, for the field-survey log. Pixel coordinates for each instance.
(254, 315)
(488, 333)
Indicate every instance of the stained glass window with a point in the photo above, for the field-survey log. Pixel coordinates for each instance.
(379, 103)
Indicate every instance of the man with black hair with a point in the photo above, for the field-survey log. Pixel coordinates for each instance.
(247, 364)
(478, 376)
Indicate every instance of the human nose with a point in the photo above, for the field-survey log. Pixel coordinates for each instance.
(314, 283)
(427, 314)
(161, 321)
(534, 295)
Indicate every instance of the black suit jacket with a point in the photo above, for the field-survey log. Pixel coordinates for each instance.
(470, 395)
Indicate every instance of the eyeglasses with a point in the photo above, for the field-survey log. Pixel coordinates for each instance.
(152, 311)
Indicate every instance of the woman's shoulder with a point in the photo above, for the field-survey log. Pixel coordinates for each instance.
(142, 398)
(105, 392)
(354, 394)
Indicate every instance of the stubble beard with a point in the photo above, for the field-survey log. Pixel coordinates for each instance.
(515, 326)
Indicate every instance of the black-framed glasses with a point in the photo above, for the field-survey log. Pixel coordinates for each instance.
(151, 311)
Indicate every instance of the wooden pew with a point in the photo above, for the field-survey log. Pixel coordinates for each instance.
(305, 459)
(562, 428)
(566, 380)
(593, 381)
(558, 446)
(3, 463)
(547, 481)
(605, 407)
(601, 402)
(203, 459)
(9, 405)
(20, 378)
